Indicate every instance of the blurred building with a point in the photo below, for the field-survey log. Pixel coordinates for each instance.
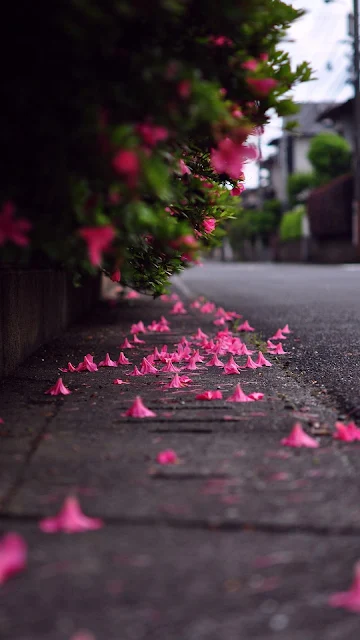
(341, 118)
(292, 147)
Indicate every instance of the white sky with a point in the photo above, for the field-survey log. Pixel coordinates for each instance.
(318, 37)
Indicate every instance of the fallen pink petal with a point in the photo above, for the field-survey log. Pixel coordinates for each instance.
(58, 389)
(137, 340)
(278, 350)
(245, 327)
(147, 367)
(13, 556)
(215, 362)
(139, 410)
(346, 432)
(250, 364)
(262, 361)
(135, 372)
(256, 395)
(298, 438)
(167, 457)
(70, 519)
(278, 335)
(239, 396)
(126, 345)
(119, 381)
(122, 359)
(175, 383)
(209, 395)
(350, 599)
(286, 329)
(107, 362)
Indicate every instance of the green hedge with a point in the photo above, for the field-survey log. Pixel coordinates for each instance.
(291, 224)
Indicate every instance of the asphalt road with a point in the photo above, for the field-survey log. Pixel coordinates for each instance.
(320, 303)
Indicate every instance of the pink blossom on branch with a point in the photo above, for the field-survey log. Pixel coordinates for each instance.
(98, 240)
(229, 157)
(152, 134)
(127, 164)
(220, 41)
(262, 86)
(209, 224)
(11, 229)
(116, 276)
(184, 169)
(70, 519)
(237, 191)
(13, 556)
(298, 438)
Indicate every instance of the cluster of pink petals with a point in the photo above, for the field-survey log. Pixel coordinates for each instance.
(122, 359)
(237, 191)
(209, 395)
(298, 438)
(209, 224)
(70, 519)
(200, 335)
(98, 240)
(346, 432)
(139, 410)
(184, 169)
(88, 364)
(13, 556)
(58, 389)
(107, 362)
(191, 366)
(167, 457)
(239, 396)
(178, 309)
(11, 229)
(116, 276)
(119, 381)
(126, 163)
(245, 327)
(220, 41)
(208, 307)
(350, 599)
(152, 134)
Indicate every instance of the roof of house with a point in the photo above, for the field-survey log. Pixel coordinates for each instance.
(308, 117)
(337, 110)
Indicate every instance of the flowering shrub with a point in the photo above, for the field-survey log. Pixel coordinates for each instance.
(124, 120)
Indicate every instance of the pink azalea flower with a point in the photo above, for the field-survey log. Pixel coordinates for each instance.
(13, 556)
(147, 367)
(175, 383)
(245, 327)
(350, 599)
(185, 379)
(209, 395)
(286, 329)
(135, 372)
(122, 359)
(262, 361)
(230, 157)
(11, 229)
(197, 357)
(184, 169)
(58, 389)
(219, 322)
(196, 304)
(298, 438)
(209, 224)
(231, 368)
(237, 191)
(346, 432)
(191, 366)
(152, 134)
(127, 164)
(167, 457)
(107, 362)
(137, 340)
(138, 328)
(98, 239)
(215, 362)
(132, 295)
(278, 350)
(70, 519)
(126, 345)
(244, 351)
(278, 336)
(116, 276)
(250, 364)
(239, 396)
(119, 381)
(262, 86)
(184, 89)
(220, 41)
(250, 65)
(70, 368)
(88, 364)
(270, 345)
(178, 309)
(169, 367)
(138, 410)
(208, 307)
(200, 335)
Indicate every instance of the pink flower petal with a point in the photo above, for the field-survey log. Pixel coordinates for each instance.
(298, 438)
(245, 327)
(126, 345)
(119, 381)
(13, 556)
(278, 335)
(167, 457)
(239, 396)
(262, 361)
(58, 389)
(98, 240)
(107, 362)
(209, 395)
(70, 519)
(350, 599)
(122, 359)
(139, 410)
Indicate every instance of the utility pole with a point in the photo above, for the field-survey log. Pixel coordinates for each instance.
(356, 200)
